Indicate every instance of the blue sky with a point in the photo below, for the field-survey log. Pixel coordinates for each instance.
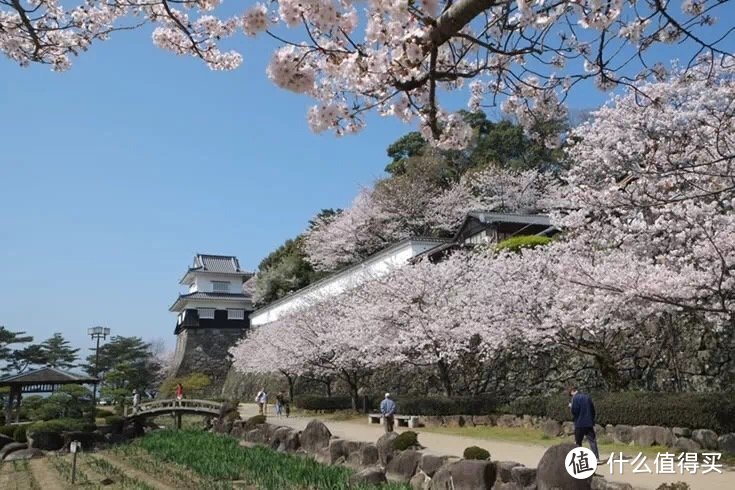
(115, 173)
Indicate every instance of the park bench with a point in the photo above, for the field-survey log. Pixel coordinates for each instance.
(410, 421)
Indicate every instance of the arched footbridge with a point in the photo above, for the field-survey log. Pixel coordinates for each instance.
(175, 407)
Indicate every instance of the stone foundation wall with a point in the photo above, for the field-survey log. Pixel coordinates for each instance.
(206, 351)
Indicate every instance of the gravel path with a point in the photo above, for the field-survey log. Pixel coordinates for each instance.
(527, 454)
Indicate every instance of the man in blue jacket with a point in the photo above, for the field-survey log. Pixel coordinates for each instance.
(388, 410)
(583, 411)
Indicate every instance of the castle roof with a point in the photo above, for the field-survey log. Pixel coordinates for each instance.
(218, 264)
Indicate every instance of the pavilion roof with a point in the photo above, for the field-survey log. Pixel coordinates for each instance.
(46, 376)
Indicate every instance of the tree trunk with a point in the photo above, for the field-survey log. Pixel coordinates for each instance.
(444, 376)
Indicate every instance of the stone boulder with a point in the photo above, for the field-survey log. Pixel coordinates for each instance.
(551, 473)
(705, 438)
(9, 448)
(403, 466)
(567, 428)
(285, 439)
(664, 436)
(508, 421)
(315, 437)
(373, 475)
(385, 447)
(644, 435)
(599, 483)
(686, 445)
(482, 420)
(503, 470)
(369, 455)
(5, 440)
(420, 481)
(551, 428)
(336, 451)
(29, 453)
(455, 421)
(681, 432)
(623, 434)
(465, 474)
(432, 420)
(522, 476)
(726, 443)
(430, 464)
(257, 436)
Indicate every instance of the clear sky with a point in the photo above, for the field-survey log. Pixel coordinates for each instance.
(115, 173)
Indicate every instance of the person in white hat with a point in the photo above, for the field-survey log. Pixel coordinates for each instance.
(388, 410)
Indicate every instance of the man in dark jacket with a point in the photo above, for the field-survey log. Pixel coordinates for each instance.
(583, 411)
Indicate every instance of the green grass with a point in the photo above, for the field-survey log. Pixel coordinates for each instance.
(221, 458)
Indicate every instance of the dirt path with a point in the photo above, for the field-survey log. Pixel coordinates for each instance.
(134, 473)
(46, 477)
(527, 454)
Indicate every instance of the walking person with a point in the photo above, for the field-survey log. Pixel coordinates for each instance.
(262, 400)
(136, 401)
(179, 393)
(583, 412)
(280, 402)
(388, 411)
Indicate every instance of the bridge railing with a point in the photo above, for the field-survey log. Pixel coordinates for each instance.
(173, 404)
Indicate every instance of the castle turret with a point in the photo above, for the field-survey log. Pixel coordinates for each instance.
(212, 315)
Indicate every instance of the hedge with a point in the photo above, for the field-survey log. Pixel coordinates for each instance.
(327, 403)
(426, 405)
(715, 411)
(434, 405)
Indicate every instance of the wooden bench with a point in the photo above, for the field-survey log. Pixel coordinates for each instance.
(410, 421)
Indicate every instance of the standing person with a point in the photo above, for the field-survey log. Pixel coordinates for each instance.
(583, 411)
(280, 402)
(388, 410)
(179, 392)
(136, 401)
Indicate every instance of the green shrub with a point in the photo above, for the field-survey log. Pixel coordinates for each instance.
(7, 430)
(19, 434)
(116, 422)
(475, 452)
(101, 413)
(476, 405)
(61, 425)
(715, 411)
(194, 385)
(405, 440)
(517, 243)
(324, 403)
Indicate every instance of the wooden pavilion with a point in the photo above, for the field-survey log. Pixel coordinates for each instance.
(44, 380)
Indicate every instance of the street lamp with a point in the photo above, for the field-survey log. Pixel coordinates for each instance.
(97, 333)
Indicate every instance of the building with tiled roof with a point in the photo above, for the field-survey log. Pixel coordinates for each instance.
(211, 315)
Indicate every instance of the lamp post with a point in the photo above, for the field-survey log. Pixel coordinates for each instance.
(97, 333)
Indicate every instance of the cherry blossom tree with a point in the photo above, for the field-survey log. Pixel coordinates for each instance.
(401, 207)
(653, 187)
(395, 57)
